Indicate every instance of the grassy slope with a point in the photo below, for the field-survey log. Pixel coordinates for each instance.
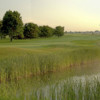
(37, 56)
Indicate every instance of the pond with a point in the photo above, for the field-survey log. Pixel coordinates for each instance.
(75, 83)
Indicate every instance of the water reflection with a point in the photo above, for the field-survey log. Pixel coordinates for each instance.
(78, 82)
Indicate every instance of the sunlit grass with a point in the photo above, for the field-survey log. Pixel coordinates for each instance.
(24, 58)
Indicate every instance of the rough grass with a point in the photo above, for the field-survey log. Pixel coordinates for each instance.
(24, 58)
(70, 89)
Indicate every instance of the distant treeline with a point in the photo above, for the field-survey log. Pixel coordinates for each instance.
(83, 32)
(12, 25)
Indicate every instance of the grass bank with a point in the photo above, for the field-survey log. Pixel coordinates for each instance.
(75, 88)
(24, 58)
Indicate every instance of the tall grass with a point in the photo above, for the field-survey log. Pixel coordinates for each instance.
(69, 89)
(24, 58)
(29, 64)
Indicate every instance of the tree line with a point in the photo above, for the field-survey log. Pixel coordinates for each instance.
(12, 25)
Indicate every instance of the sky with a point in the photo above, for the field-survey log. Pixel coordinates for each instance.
(74, 15)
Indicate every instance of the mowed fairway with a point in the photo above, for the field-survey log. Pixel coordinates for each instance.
(24, 58)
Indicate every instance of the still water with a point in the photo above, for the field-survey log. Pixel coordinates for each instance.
(76, 83)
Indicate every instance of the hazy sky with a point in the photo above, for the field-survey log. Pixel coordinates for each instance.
(75, 15)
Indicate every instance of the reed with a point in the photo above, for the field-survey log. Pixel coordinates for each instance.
(69, 89)
(25, 58)
(17, 67)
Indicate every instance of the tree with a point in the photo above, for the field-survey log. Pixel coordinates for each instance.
(1, 29)
(2, 35)
(59, 31)
(46, 31)
(12, 24)
(20, 36)
(31, 30)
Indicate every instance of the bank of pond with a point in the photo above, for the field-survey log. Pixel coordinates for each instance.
(22, 66)
(78, 83)
(66, 68)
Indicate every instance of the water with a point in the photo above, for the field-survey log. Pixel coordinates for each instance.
(76, 83)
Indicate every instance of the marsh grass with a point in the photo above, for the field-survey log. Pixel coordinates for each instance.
(25, 58)
(16, 67)
(69, 89)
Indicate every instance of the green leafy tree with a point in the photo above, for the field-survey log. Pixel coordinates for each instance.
(59, 31)
(31, 30)
(46, 31)
(2, 35)
(20, 36)
(1, 29)
(12, 24)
